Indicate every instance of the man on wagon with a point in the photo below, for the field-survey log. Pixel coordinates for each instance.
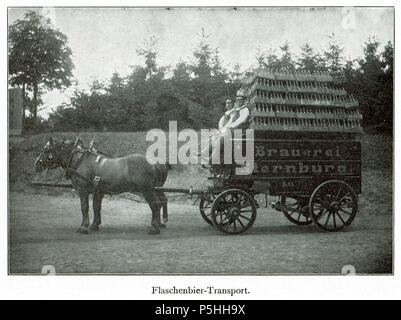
(234, 118)
(227, 115)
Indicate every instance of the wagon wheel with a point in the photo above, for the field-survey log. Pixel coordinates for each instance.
(295, 210)
(205, 208)
(333, 205)
(233, 211)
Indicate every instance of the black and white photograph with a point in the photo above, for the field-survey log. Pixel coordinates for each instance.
(200, 140)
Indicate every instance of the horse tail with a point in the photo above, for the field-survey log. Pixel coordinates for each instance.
(168, 165)
(161, 171)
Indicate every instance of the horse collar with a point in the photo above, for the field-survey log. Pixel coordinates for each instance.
(72, 168)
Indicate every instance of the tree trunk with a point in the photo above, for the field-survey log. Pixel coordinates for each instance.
(23, 109)
(35, 101)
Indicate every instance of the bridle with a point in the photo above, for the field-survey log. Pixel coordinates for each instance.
(71, 168)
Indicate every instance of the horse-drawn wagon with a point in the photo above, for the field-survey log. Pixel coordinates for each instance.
(307, 153)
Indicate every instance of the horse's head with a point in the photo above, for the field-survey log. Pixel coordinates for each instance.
(53, 154)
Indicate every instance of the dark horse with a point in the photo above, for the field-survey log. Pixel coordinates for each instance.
(93, 172)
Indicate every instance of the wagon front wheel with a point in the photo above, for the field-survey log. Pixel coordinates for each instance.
(233, 211)
(296, 210)
(205, 208)
(333, 205)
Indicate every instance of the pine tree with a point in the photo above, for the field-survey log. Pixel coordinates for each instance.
(149, 52)
(373, 96)
(201, 67)
(333, 54)
(268, 59)
(286, 62)
(308, 59)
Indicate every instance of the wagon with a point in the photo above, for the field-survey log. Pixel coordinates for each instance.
(315, 180)
(307, 153)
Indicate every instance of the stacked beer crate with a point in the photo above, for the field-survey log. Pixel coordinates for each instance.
(301, 101)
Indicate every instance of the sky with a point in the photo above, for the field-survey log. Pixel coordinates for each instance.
(105, 40)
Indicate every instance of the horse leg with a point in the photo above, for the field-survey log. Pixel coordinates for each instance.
(97, 206)
(163, 201)
(84, 197)
(154, 203)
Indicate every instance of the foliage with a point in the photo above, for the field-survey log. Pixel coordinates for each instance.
(333, 54)
(193, 92)
(39, 57)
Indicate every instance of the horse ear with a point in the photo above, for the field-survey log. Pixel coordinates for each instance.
(92, 143)
(76, 141)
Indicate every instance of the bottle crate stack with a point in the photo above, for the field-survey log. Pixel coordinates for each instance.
(301, 101)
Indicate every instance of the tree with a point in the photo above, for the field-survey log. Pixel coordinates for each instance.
(182, 78)
(203, 56)
(388, 59)
(39, 56)
(308, 59)
(387, 83)
(149, 52)
(333, 54)
(268, 59)
(286, 62)
(235, 76)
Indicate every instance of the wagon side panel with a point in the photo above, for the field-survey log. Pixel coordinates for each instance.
(294, 166)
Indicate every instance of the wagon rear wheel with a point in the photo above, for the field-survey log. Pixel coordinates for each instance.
(205, 208)
(333, 205)
(296, 210)
(233, 211)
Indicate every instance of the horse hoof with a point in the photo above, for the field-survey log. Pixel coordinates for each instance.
(94, 228)
(163, 225)
(82, 231)
(153, 231)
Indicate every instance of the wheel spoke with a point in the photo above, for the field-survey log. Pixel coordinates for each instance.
(321, 213)
(222, 221)
(327, 220)
(342, 198)
(246, 204)
(339, 215)
(334, 221)
(244, 217)
(240, 222)
(339, 192)
(292, 212)
(350, 214)
(250, 210)
(291, 205)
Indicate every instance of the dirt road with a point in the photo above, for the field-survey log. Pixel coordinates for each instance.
(43, 233)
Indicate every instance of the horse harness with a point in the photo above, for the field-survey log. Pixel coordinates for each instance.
(71, 168)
